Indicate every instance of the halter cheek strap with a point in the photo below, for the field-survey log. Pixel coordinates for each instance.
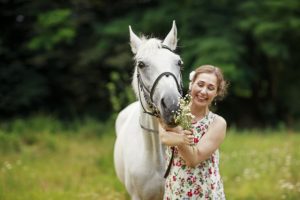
(144, 89)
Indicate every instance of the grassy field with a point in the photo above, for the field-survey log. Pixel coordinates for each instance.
(42, 159)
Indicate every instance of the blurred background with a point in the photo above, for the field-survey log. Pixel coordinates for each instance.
(72, 58)
(65, 73)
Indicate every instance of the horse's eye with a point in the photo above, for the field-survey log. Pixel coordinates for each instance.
(141, 64)
(180, 63)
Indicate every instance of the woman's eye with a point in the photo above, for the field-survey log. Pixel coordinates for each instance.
(211, 88)
(141, 64)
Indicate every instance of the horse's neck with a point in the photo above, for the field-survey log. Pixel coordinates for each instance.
(154, 148)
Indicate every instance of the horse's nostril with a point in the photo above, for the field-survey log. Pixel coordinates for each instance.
(163, 104)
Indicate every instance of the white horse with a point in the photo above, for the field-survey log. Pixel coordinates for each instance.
(138, 154)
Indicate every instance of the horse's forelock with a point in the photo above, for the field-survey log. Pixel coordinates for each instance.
(148, 47)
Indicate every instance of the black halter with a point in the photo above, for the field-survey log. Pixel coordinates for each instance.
(149, 97)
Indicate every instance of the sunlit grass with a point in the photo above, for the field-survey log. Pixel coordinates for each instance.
(43, 158)
(67, 164)
(258, 165)
(78, 168)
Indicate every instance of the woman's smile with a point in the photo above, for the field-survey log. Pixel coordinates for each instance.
(201, 98)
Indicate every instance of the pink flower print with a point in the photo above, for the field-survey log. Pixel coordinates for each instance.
(190, 193)
(176, 151)
(196, 140)
(193, 179)
(213, 159)
(212, 186)
(178, 163)
(197, 190)
(182, 182)
(210, 171)
(174, 178)
(188, 171)
(206, 196)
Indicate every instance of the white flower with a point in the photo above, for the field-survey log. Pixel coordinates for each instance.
(184, 116)
(190, 86)
(192, 74)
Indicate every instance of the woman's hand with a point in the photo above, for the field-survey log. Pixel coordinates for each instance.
(188, 137)
(176, 136)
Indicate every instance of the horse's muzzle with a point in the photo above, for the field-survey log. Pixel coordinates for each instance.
(168, 108)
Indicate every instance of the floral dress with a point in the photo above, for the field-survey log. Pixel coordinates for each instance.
(201, 182)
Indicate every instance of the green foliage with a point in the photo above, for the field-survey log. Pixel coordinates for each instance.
(63, 57)
(117, 98)
(53, 27)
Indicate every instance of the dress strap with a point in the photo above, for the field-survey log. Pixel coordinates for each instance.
(211, 117)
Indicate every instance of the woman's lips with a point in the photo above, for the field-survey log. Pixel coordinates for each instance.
(200, 98)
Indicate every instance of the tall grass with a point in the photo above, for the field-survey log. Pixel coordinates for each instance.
(261, 165)
(57, 160)
(44, 158)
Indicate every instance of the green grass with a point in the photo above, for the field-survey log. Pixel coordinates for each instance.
(67, 162)
(258, 165)
(43, 158)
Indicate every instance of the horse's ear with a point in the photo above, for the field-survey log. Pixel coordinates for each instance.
(171, 39)
(135, 41)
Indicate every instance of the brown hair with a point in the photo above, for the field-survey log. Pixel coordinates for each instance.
(221, 83)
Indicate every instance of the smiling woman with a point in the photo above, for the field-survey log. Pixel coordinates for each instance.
(207, 85)
(193, 154)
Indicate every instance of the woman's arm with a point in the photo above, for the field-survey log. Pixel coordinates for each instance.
(174, 136)
(211, 141)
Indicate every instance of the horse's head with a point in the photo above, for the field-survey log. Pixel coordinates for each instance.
(157, 76)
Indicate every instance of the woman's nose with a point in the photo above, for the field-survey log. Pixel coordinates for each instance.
(203, 90)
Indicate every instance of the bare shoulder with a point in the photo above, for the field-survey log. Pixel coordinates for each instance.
(220, 121)
(218, 127)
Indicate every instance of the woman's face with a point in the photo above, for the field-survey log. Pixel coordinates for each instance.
(204, 89)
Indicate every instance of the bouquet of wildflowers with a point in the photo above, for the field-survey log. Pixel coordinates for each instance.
(183, 116)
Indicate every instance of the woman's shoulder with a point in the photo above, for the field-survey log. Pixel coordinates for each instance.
(218, 127)
(219, 121)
